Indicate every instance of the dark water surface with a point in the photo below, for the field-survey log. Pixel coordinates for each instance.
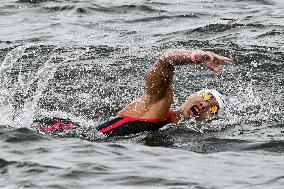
(85, 60)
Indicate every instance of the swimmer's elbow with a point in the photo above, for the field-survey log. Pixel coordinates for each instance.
(167, 57)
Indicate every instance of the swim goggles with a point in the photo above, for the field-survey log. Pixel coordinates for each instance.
(208, 97)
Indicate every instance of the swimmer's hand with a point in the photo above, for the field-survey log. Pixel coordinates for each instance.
(211, 60)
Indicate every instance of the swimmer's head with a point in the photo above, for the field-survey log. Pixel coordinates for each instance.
(203, 104)
(212, 94)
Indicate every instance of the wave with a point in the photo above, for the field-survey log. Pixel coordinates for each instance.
(59, 8)
(162, 17)
(35, 1)
(22, 135)
(270, 146)
(281, 125)
(206, 143)
(26, 166)
(79, 10)
(273, 32)
(263, 2)
(186, 139)
(224, 27)
(4, 163)
(125, 9)
(122, 9)
(214, 144)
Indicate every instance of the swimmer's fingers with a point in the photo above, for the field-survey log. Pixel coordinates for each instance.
(209, 56)
(212, 61)
(211, 66)
(218, 59)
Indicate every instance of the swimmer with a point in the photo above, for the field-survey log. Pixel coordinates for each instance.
(152, 110)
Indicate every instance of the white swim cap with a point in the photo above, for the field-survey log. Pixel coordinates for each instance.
(219, 98)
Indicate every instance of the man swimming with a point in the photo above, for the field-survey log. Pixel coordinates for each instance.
(153, 110)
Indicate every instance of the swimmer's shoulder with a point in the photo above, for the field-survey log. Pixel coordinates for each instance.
(142, 108)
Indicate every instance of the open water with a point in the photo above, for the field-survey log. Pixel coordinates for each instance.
(84, 60)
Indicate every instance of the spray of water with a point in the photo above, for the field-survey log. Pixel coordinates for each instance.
(23, 82)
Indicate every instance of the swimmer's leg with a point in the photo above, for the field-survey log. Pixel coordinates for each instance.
(66, 128)
(51, 125)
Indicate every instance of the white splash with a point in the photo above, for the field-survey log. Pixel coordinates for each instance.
(26, 86)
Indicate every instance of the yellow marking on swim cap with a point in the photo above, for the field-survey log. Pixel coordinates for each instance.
(214, 109)
(207, 96)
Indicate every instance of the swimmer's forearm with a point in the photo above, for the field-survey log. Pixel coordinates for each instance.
(180, 57)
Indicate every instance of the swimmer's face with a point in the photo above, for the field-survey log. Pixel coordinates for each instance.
(195, 106)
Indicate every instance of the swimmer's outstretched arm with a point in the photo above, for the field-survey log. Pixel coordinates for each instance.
(160, 76)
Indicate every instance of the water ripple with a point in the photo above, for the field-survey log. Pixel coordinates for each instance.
(162, 17)
(36, 1)
(122, 9)
(59, 8)
(23, 135)
(270, 146)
